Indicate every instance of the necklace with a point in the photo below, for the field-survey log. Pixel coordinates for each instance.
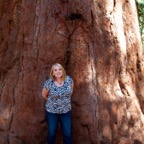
(59, 82)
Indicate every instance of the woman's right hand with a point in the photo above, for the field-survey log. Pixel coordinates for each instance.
(45, 93)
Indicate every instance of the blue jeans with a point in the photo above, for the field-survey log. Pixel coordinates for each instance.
(65, 123)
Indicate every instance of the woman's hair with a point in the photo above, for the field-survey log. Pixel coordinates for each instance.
(63, 71)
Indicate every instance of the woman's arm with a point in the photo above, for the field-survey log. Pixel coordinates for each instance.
(72, 88)
(73, 85)
(45, 93)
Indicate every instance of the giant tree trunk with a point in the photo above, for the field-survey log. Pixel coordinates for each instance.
(99, 44)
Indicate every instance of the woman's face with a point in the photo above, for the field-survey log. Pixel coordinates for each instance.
(57, 71)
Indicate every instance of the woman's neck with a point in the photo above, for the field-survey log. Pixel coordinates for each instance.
(59, 79)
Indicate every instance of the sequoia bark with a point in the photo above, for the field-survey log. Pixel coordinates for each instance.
(98, 43)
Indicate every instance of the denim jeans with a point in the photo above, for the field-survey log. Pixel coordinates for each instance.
(65, 123)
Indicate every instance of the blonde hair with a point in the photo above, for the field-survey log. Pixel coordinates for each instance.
(63, 71)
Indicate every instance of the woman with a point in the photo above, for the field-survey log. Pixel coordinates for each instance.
(57, 92)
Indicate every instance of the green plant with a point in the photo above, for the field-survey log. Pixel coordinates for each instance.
(140, 5)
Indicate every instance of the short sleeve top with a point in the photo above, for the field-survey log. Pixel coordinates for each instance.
(59, 98)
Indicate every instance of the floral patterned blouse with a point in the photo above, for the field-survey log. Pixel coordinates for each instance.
(59, 98)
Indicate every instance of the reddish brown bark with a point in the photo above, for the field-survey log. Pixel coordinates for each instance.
(99, 44)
